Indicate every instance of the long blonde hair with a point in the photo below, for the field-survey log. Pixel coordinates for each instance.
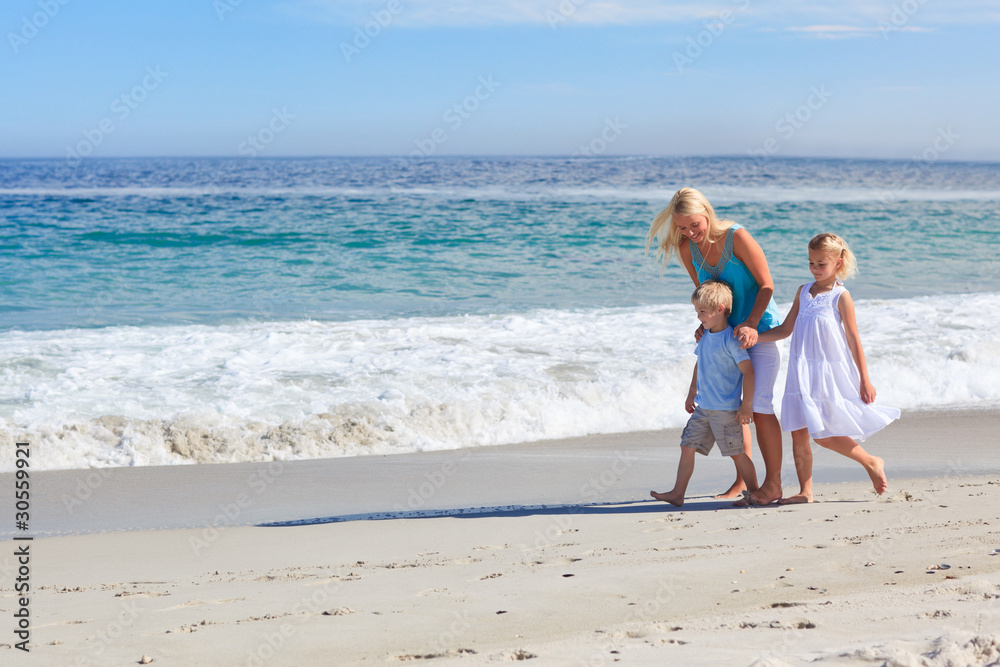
(837, 248)
(664, 233)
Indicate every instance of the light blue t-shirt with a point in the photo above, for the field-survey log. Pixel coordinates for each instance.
(720, 382)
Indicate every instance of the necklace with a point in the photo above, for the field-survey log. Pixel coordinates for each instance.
(704, 253)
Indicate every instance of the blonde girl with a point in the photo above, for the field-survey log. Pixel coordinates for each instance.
(710, 248)
(828, 394)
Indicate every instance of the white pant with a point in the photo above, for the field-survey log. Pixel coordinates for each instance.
(765, 359)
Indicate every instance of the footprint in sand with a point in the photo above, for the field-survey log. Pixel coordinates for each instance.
(198, 603)
(339, 611)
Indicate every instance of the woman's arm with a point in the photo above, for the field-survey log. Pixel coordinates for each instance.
(684, 252)
(749, 252)
(846, 307)
(783, 330)
(745, 411)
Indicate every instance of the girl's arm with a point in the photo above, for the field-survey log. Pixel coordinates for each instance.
(749, 252)
(846, 307)
(783, 330)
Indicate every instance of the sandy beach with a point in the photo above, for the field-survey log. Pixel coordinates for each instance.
(549, 552)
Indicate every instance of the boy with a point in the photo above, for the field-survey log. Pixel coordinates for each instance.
(717, 410)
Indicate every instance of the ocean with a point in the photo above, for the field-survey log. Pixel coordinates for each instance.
(170, 311)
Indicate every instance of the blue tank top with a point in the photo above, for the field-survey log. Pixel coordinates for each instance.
(734, 272)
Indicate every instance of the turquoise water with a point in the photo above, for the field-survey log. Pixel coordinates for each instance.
(164, 241)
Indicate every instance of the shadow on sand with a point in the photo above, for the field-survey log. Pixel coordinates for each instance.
(695, 504)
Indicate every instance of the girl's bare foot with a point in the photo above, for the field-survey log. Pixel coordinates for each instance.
(735, 491)
(796, 499)
(877, 473)
(671, 497)
(766, 494)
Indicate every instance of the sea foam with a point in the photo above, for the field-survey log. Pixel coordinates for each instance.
(312, 389)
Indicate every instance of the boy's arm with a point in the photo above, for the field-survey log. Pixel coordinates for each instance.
(783, 330)
(745, 411)
(693, 391)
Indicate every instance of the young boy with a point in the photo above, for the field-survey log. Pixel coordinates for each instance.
(717, 410)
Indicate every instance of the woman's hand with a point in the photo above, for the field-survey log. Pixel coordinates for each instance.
(867, 391)
(699, 333)
(746, 334)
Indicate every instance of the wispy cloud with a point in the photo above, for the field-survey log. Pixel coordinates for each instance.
(850, 31)
(899, 89)
(829, 19)
(445, 13)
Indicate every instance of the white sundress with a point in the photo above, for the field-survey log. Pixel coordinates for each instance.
(823, 387)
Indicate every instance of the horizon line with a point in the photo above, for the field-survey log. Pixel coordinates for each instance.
(581, 158)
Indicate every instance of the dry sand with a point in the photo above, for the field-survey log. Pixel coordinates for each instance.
(577, 568)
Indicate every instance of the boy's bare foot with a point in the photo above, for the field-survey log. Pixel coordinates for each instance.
(796, 499)
(766, 494)
(671, 497)
(877, 473)
(735, 491)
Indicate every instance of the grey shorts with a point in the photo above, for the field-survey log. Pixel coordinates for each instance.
(706, 427)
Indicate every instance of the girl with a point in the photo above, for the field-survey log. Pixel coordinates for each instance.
(721, 249)
(828, 394)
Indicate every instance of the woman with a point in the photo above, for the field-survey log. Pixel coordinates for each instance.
(721, 249)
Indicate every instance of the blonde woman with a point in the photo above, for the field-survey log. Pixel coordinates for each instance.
(710, 248)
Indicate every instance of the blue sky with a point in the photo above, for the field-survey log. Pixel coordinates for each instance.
(881, 79)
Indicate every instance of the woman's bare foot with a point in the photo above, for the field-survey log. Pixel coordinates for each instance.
(746, 500)
(670, 497)
(796, 499)
(877, 473)
(768, 493)
(735, 491)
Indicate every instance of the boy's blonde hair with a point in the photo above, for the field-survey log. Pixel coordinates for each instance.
(663, 231)
(837, 248)
(714, 293)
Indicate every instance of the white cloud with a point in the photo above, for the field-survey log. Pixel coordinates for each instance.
(555, 13)
(840, 17)
(850, 31)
